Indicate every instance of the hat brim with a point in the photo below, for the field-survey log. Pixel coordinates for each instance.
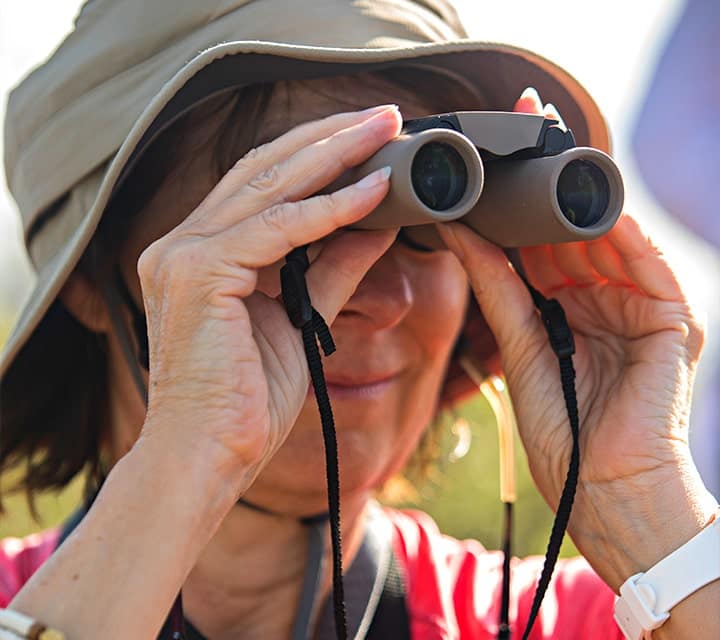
(499, 71)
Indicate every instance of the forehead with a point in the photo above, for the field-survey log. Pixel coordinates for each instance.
(295, 102)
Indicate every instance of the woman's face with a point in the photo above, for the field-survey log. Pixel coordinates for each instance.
(394, 336)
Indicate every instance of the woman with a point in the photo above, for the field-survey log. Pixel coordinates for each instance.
(212, 487)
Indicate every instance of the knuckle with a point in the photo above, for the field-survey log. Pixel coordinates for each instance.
(282, 217)
(167, 261)
(267, 181)
(278, 217)
(329, 202)
(697, 333)
(149, 260)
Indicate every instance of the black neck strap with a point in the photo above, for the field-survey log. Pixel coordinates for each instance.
(313, 328)
(563, 344)
(375, 584)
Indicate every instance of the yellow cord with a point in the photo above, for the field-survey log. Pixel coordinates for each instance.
(494, 391)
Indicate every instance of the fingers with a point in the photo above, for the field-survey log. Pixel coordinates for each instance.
(501, 294)
(281, 228)
(343, 262)
(572, 260)
(260, 159)
(624, 257)
(235, 239)
(542, 270)
(315, 166)
(643, 262)
(529, 102)
(607, 262)
(306, 171)
(551, 111)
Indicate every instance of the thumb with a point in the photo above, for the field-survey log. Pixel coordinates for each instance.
(502, 296)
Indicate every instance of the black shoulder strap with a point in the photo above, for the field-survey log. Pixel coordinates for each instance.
(391, 619)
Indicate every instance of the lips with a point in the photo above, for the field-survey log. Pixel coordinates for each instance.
(359, 387)
(359, 380)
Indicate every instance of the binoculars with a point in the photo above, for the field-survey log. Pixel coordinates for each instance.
(516, 179)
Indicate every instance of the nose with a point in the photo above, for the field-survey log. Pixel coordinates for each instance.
(383, 297)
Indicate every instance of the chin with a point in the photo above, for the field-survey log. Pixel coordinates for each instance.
(295, 481)
(374, 441)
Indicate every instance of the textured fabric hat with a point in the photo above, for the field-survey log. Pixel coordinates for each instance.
(131, 67)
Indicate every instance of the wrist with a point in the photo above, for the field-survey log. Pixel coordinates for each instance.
(625, 530)
(132, 552)
(197, 462)
(190, 488)
(648, 600)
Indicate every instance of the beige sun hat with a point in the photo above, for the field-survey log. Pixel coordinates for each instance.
(131, 67)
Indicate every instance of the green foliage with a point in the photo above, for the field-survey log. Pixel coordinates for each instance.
(52, 508)
(464, 496)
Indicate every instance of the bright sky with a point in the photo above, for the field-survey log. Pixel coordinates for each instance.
(610, 47)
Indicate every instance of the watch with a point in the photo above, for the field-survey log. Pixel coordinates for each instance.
(646, 598)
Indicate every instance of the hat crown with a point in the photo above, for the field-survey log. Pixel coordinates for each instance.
(131, 67)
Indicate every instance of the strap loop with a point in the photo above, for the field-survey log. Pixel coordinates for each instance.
(553, 318)
(294, 288)
(558, 330)
(314, 329)
(563, 344)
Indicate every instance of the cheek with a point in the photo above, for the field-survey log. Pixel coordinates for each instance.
(441, 294)
(376, 437)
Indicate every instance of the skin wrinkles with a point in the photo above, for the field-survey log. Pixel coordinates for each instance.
(402, 347)
(402, 320)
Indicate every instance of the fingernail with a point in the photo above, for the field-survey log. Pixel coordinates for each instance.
(530, 93)
(375, 178)
(551, 111)
(379, 109)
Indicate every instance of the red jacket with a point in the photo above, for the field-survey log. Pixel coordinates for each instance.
(453, 587)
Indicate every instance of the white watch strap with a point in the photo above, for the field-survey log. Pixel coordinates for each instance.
(646, 598)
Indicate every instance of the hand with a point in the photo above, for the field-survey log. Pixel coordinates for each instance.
(637, 346)
(228, 374)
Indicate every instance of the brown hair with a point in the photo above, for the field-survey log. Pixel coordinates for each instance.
(52, 411)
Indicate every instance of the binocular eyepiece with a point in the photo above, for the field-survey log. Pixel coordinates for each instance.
(516, 179)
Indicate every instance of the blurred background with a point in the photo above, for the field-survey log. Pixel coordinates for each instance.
(612, 48)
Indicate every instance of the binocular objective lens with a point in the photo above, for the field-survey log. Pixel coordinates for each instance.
(439, 176)
(583, 193)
